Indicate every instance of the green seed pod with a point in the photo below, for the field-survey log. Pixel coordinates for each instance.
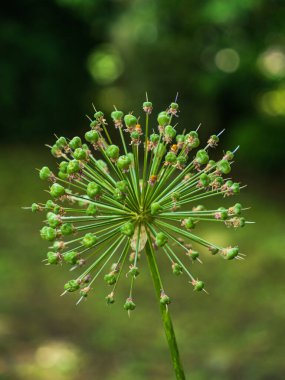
(177, 269)
(55, 151)
(189, 223)
(198, 286)
(124, 163)
(110, 278)
(169, 131)
(98, 115)
(235, 188)
(117, 115)
(222, 213)
(147, 105)
(229, 183)
(91, 209)
(180, 139)
(155, 207)
(62, 175)
(211, 164)
(161, 239)
(202, 157)
(71, 286)
(57, 190)
(154, 138)
(71, 257)
(53, 220)
(67, 229)
(118, 195)
(135, 135)
(134, 271)
(232, 253)
(163, 119)
(171, 158)
(175, 196)
(130, 120)
(122, 186)
(94, 124)
(237, 209)
(110, 299)
(89, 240)
(113, 152)
(192, 139)
(242, 222)
(48, 233)
(174, 106)
(45, 173)
(164, 300)
(80, 154)
(229, 155)
(205, 179)
(75, 142)
(35, 207)
(129, 304)
(131, 157)
(92, 136)
(53, 258)
(224, 167)
(61, 142)
(193, 255)
(127, 229)
(58, 245)
(214, 250)
(63, 166)
(57, 209)
(181, 160)
(49, 205)
(73, 167)
(93, 190)
(102, 165)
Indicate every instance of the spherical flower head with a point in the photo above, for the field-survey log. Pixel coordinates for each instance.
(113, 203)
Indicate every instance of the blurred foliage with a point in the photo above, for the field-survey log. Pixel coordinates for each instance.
(226, 58)
(227, 61)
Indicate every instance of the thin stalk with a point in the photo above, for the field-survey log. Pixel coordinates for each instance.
(166, 320)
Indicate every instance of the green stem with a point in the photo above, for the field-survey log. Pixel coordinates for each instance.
(166, 320)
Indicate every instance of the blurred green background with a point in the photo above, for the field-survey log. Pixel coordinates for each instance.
(227, 61)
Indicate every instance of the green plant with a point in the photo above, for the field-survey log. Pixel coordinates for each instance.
(109, 204)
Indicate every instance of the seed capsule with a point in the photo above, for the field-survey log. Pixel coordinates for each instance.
(71, 257)
(177, 269)
(129, 304)
(130, 120)
(124, 163)
(48, 233)
(67, 229)
(161, 239)
(92, 136)
(75, 142)
(155, 207)
(45, 173)
(202, 157)
(71, 286)
(224, 167)
(93, 190)
(89, 240)
(113, 152)
(127, 229)
(53, 258)
(163, 119)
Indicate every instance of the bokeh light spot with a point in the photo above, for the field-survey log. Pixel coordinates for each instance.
(227, 60)
(272, 63)
(105, 65)
(273, 102)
